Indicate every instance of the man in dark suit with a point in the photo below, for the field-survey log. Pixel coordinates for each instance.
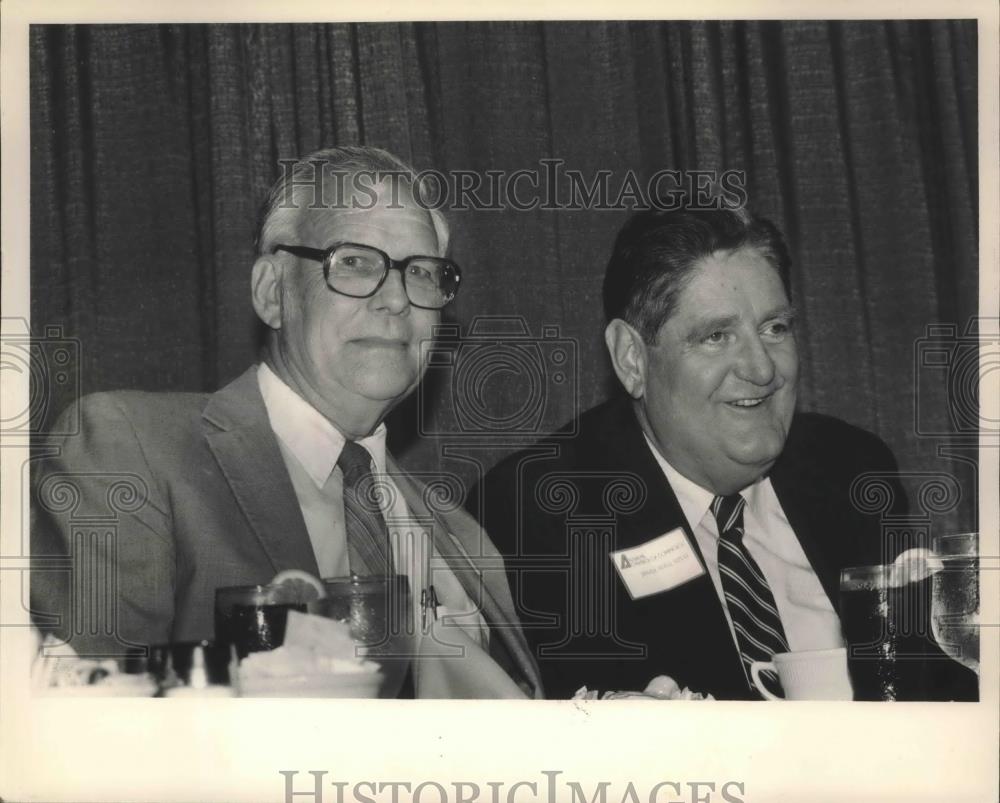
(696, 523)
(163, 498)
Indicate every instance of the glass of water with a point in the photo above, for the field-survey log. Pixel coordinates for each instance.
(955, 597)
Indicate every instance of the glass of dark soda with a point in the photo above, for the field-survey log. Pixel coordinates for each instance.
(870, 620)
(885, 616)
(253, 618)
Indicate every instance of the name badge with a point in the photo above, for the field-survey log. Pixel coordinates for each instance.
(658, 565)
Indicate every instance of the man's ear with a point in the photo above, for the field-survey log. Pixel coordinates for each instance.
(265, 285)
(628, 356)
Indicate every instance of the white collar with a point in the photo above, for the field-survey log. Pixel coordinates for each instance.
(694, 500)
(307, 433)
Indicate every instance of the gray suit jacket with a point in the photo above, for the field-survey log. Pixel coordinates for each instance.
(163, 497)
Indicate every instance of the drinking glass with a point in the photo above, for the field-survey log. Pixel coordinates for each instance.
(955, 598)
(252, 618)
(380, 614)
(868, 616)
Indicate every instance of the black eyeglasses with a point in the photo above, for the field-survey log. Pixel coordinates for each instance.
(358, 271)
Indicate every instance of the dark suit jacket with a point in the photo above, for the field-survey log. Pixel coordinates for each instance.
(556, 510)
(182, 493)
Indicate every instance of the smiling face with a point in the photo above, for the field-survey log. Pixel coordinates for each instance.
(716, 391)
(353, 359)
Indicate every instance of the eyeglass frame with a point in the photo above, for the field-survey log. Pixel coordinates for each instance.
(322, 255)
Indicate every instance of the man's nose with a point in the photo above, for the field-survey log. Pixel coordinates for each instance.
(755, 363)
(392, 294)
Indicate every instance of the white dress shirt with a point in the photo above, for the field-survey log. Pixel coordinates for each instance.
(310, 446)
(806, 612)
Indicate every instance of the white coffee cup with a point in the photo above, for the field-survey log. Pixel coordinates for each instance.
(807, 675)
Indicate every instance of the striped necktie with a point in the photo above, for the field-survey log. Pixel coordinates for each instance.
(367, 536)
(759, 633)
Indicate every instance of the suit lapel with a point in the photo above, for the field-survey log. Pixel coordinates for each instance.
(692, 636)
(239, 435)
(482, 588)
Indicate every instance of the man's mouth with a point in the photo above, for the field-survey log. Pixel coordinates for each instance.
(388, 342)
(749, 403)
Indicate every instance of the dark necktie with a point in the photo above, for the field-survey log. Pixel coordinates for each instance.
(367, 536)
(759, 633)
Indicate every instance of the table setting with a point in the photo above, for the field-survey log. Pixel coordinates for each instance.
(355, 637)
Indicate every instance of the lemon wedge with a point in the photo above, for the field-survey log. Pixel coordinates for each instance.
(298, 586)
(915, 565)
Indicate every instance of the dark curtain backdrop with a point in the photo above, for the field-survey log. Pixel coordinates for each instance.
(152, 147)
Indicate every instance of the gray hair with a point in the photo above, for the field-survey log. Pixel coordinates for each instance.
(334, 165)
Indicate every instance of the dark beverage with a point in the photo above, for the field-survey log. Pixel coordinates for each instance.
(885, 616)
(253, 618)
(868, 616)
(253, 628)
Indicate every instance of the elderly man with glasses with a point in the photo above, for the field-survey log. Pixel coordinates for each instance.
(260, 477)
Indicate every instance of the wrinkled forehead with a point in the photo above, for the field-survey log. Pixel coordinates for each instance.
(711, 279)
(383, 215)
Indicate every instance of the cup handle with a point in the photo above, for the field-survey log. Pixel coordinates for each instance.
(755, 669)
